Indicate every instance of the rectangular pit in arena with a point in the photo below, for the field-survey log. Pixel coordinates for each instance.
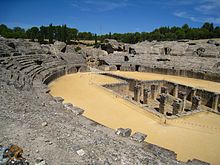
(165, 98)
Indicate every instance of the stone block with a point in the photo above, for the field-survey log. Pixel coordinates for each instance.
(146, 96)
(58, 99)
(139, 137)
(163, 101)
(137, 93)
(124, 132)
(164, 90)
(177, 106)
(75, 110)
(196, 103)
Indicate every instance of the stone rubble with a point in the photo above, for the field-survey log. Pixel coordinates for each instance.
(139, 137)
(124, 132)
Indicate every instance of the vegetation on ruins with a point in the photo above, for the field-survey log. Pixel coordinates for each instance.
(66, 34)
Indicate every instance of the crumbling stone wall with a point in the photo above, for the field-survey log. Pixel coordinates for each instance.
(173, 91)
(120, 88)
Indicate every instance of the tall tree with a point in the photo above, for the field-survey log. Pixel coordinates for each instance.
(63, 33)
(110, 35)
(50, 35)
(185, 27)
(19, 32)
(208, 26)
(33, 33)
(96, 40)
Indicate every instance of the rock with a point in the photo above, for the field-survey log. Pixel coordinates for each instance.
(183, 40)
(106, 162)
(114, 44)
(107, 47)
(139, 137)
(123, 132)
(211, 42)
(111, 45)
(11, 44)
(80, 152)
(58, 99)
(25, 47)
(217, 43)
(70, 49)
(197, 162)
(200, 51)
(73, 58)
(75, 110)
(132, 51)
(40, 161)
(46, 48)
(58, 47)
(44, 124)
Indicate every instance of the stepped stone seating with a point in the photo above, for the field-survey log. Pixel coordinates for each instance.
(31, 63)
(198, 56)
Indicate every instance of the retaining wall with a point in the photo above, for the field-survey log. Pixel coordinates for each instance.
(204, 75)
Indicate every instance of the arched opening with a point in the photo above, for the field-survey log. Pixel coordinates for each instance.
(167, 51)
(12, 45)
(126, 58)
(63, 50)
(137, 67)
(38, 62)
(118, 67)
(78, 68)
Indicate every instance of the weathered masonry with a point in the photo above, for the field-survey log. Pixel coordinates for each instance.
(166, 98)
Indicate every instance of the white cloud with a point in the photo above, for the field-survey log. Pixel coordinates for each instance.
(100, 5)
(201, 11)
(209, 7)
(198, 18)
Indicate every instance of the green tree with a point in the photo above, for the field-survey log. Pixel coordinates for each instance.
(5, 31)
(110, 35)
(63, 33)
(19, 32)
(185, 27)
(50, 33)
(32, 33)
(180, 34)
(208, 26)
(57, 30)
(217, 32)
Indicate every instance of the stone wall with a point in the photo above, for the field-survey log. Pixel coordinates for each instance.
(184, 73)
(66, 70)
(208, 98)
(205, 75)
(120, 88)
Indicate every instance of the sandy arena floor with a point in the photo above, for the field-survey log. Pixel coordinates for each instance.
(195, 136)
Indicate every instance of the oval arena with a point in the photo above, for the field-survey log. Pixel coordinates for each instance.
(84, 97)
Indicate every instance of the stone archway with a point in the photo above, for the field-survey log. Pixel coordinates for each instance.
(118, 67)
(78, 68)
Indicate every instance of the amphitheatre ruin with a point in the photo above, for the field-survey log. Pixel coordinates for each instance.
(145, 103)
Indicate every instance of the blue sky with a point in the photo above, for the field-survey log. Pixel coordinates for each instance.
(104, 16)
